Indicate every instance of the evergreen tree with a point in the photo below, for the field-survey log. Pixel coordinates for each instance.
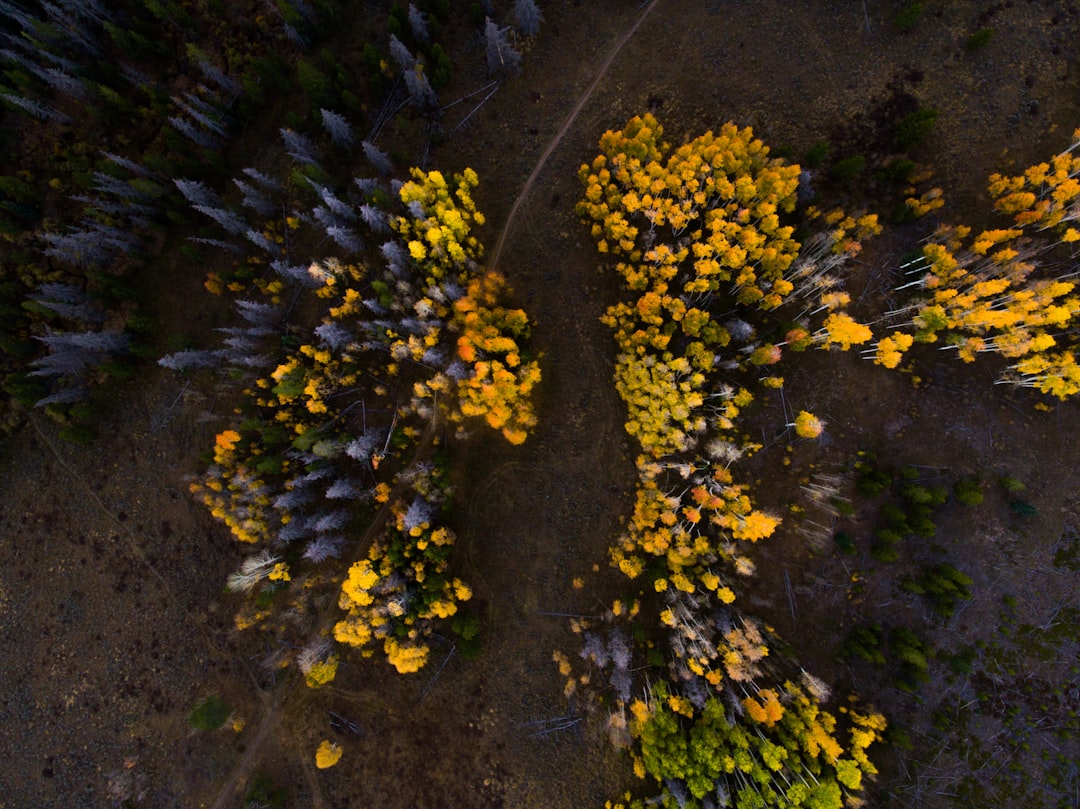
(420, 89)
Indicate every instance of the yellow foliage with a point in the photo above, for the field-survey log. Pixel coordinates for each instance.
(499, 388)
(328, 754)
(843, 331)
(406, 658)
(680, 705)
(890, 350)
(322, 672)
(982, 298)
(766, 709)
(807, 425)
(754, 526)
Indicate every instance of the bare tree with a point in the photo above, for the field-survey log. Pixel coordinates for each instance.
(502, 59)
(401, 54)
(338, 128)
(379, 160)
(299, 147)
(527, 17)
(418, 24)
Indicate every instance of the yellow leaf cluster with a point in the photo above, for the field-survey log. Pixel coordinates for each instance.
(440, 241)
(400, 590)
(327, 754)
(807, 425)
(722, 189)
(842, 331)
(890, 350)
(235, 494)
(765, 709)
(1046, 195)
(322, 672)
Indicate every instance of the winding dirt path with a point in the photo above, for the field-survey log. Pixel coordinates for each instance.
(553, 144)
(242, 771)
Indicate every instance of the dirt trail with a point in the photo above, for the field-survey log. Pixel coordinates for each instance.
(243, 769)
(553, 144)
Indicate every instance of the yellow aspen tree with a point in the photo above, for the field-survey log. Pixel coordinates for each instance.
(842, 331)
(807, 425)
(327, 754)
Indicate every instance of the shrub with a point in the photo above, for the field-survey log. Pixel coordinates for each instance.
(908, 16)
(944, 587)
(264, 794)
(210, 714)
(846, 170)
(1011, 485)
(816, 154)
(913, 657)
(979, 40)
(844, 543)
(864, 643)
(872, 482)
(898, 171)
(1022, 508)
(969, 492)
(913, 129)
(917, 495)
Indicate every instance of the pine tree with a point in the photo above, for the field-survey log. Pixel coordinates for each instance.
(195, 134)
(72, 354)
(230, 221)
(255, 199)
(36, 109)
(197, 193)
(269, 183)
(190, 359)
(206, 115)
(79, 248)
(231, 86)
(69, 302)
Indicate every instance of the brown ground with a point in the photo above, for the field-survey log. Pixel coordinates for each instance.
(113, 618)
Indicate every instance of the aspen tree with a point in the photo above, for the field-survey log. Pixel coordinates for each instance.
(983, 292)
